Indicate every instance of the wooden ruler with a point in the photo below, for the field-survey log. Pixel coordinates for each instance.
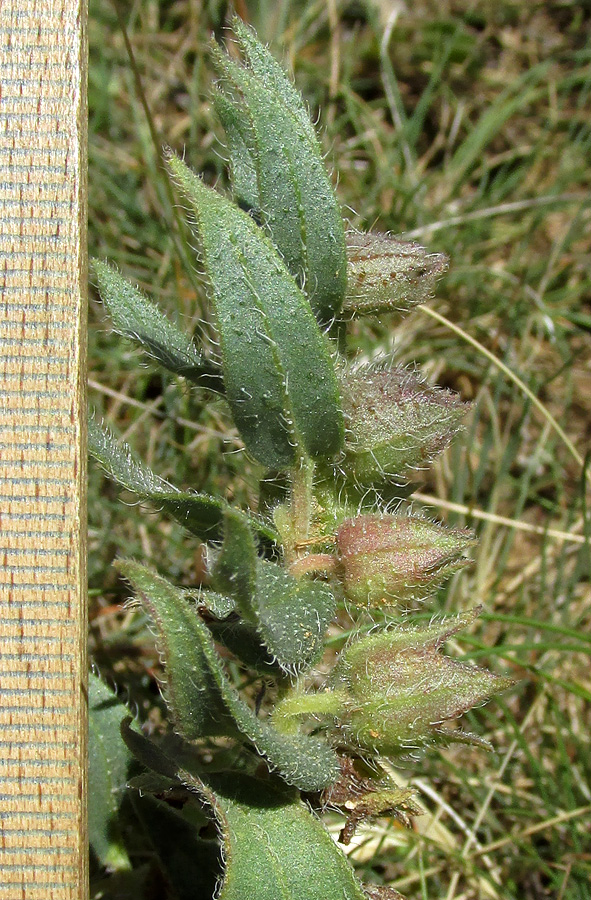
(42, 451)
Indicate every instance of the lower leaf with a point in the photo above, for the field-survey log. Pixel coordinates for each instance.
(109, 761)
(202, 700)
(274, 848)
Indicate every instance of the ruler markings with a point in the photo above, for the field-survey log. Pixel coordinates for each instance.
(19, 82)
(34, 763)
(46, 323)
(19, 675)
(28, 186)
(35, 363)
(21, 461)
(38, 657)
(18, 463)
(39, 447)
(50, 292)
(27, 711)
(43, 603)
(11, 397)
(36, 867)
(35, 707)
(37, 638)
(34, 567)
(61, 255)
(32, 135)
(28, 429)
(21, 189)
(31, 280)
(23, 151)
(33, 217)
(33, 814)
(32, 168)
(67, 790)
(22, 457)
(13, 692)
(27, 29)
(39, 779)
(26, 745)
(42, 285)
(34, 376)
(47, 67)
(13, 532)
(42, 831)
(38, 621)
(55, 747)
(33, 307)
(62, 849)
(21, 728)
(42, 886)
(51, 465)
(38, 498)
(22, 479)
(31, 675)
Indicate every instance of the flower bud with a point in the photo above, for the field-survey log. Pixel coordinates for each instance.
(390, 558)
(394, 421)
(401, 688)
(385, 275)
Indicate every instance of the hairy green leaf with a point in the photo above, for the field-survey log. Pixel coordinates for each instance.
(271, 73)
(239, 139)
(279, 377)
(235, 569)
(109, 761)
(293, 615)
(202, 700)
(296, 198)
(191, 691)
(137, 318)
(274, 848)
(201, 514)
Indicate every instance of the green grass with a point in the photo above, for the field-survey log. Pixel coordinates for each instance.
(468, 128)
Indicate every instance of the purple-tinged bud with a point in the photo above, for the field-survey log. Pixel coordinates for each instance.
(402, 689)
(390, 558)
(394, 421)
(385, 275)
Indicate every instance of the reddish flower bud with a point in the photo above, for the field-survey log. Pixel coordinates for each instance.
(401, 688)
(389, 558)
(385, 275)
(394, 421)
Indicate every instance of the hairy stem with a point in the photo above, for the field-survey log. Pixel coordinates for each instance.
(300, 507)
(297, 703)
(314, 563)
